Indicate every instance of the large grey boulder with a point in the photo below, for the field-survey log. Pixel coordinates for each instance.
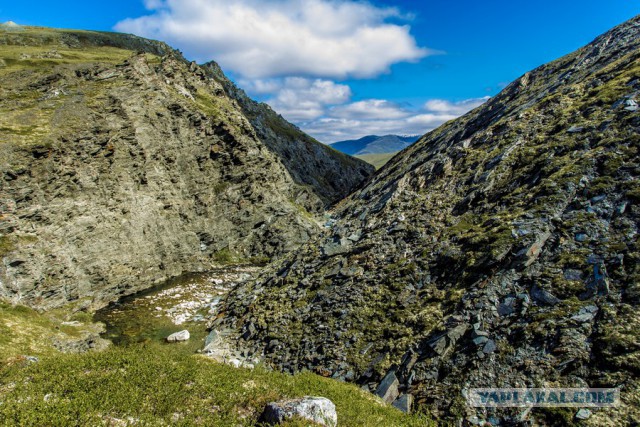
(179, 336)
(320, 410)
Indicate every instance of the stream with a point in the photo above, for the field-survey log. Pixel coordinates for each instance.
(186, 302)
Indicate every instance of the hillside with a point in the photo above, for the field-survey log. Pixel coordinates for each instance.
(308, 161)
(377, 160)
(123, 164)
(499, 250)
(374, 144)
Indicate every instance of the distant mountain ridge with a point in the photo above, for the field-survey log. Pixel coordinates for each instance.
(374, 144)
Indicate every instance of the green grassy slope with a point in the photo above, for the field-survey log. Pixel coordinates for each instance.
(152, 384)
(377, 160)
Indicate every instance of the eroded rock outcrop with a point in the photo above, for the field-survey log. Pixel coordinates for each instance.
(121, 165)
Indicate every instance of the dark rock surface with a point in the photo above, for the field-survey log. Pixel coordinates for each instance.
(464, 270)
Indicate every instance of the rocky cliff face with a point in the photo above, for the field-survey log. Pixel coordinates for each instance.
(309, 162)
(501, 250)
(121, 164)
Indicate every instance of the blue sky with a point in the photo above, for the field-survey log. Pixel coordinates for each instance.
(342, 69)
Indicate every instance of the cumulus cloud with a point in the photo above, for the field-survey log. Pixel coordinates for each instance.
(298, 98)
(369, 109)
(323, 109)
(257, 39)
(289, 53)
(381, 117)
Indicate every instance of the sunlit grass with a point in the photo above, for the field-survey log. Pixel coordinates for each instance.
(165, 384)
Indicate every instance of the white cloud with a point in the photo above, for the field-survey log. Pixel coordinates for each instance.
(370, 109)
(300, 99)
(381, 117)
(290, 52)
(443, 106)
(257, 39)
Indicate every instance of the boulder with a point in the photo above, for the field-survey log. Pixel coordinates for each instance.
(404, 403)
(388, 388)
(507, 307)
(490, 347)
(179, 336)
(319, 410)
(543, 297)
(586, 314)
(531, 253)
(446, 342)
(337, 245)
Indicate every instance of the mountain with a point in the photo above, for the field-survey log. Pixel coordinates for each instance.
(308, 161)
(374, 144)
(123, 164)
(500, 250)
(377, 160)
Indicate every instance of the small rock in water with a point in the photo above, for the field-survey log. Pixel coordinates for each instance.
(179, 336)
(319, 410)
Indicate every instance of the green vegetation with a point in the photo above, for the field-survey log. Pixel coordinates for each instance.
(28, 114)
(281, 127)
(151, 384)
(163, 384)
(377, 160)
(25, 331)
(46, 57)
(6, 245)
(225, 256)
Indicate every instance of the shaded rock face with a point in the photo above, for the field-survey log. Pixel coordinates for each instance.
(331, 174)
(458, 264)
(119, 170)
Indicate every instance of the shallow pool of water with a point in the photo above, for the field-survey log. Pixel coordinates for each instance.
(186, 302)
